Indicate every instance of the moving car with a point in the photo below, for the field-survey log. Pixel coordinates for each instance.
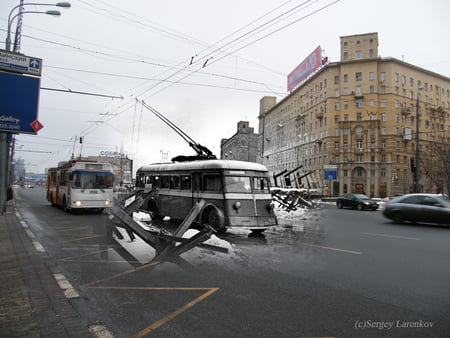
(356, 201)
(426, 208)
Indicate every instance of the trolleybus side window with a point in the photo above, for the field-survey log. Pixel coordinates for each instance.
(186, 182)
(237, 184)
(175, 182)
(212, 182)
(165, 182)
(260, 184)
(63, 178)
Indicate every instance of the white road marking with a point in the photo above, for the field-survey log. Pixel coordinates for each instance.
(65, 285)
(38, 246)
(336, 249)
(391, 236)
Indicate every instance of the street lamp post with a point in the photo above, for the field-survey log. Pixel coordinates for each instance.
(3, 135)
(416, 167)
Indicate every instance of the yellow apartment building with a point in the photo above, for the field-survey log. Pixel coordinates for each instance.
(353, 126)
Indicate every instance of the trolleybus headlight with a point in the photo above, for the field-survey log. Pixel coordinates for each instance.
(78, 203)
(107, 202)
(237, 206)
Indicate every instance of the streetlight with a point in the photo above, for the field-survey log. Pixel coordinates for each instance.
(49, 12)
(416, 167)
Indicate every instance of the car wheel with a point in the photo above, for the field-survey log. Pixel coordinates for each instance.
(215, 220)
(398, 217)
(339, 204)
(359, 207)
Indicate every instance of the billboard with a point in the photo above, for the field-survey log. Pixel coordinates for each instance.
(19, 98)
(306, 67)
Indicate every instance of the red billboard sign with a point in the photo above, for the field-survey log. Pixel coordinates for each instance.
(301, 72)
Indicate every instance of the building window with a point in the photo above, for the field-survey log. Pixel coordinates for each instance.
(383, 144)
(383, 116)
(336, 132)
(337, 93)
(336, 159)
(336, 145)
(383, 89)
(345, 91)
(383, 131)
(359, 172)
(359, 103)
(383, 103)
(359, 116)
(372, 103)
(382, 77)
(345, 145)
(358, 55)
(358, 76)
(345, 131)
(336, 118)
(359, 144)
(372, 89)
(411, 82)
(371, 53)
(336, 79)
(345, 77)
(371, 76)
(345, 104)
(337, 106)
(359, 159)
(403, 79)
(396, 77)
(345, 56)
(383, 172)
(345, 172)
(345, 117)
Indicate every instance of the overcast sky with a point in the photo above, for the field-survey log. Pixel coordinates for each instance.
(240, 51)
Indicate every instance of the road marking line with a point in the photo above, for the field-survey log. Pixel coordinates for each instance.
(175, 313)
(391, 236)
(38, 246)
(65, 285)
(335, 249)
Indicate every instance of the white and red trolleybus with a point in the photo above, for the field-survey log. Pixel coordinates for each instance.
(236, 193)
(79, 184)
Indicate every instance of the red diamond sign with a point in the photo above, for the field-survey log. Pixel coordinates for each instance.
(36, 125)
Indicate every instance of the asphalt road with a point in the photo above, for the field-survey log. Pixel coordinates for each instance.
(329, 272)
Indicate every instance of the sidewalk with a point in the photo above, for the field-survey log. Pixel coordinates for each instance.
(31, 302)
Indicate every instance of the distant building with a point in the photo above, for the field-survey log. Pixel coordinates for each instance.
(242, 146)
(352, 124)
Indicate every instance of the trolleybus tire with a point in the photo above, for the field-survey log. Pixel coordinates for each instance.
(64, 205)
(215, 219)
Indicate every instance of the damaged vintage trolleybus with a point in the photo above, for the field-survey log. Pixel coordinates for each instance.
(236, 192)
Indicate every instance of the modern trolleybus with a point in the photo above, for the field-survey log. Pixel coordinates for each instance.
(79, 184)
(236, 192)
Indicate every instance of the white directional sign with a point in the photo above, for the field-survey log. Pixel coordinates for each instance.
(19, 63)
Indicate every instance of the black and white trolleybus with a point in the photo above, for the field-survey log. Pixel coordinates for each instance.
(236, 192)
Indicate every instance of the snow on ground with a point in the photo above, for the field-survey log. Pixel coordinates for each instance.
(199, 256)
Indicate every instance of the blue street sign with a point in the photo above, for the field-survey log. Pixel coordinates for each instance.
(19, 98)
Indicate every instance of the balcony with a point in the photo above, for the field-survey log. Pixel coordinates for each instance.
(319, 115)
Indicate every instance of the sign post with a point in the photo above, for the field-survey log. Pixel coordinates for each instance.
(19, 99)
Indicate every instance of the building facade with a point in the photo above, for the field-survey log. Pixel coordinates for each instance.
(354, 125)
(242, 146)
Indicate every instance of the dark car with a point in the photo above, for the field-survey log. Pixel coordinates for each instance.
(356, 201)
(420, 208)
